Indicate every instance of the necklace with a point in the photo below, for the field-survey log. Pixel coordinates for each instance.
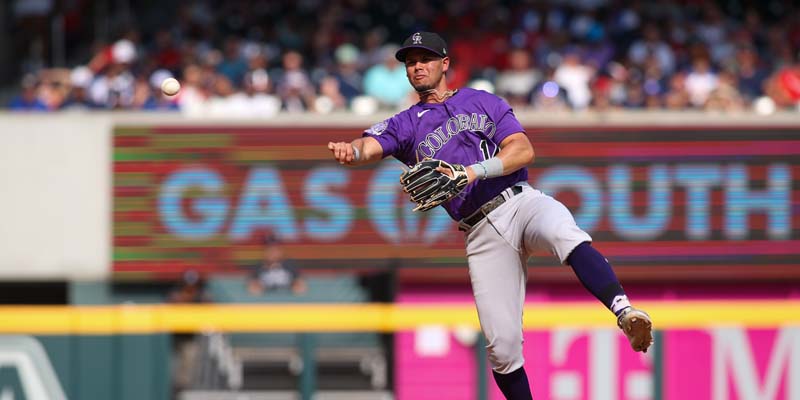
(440, 98)
(448, 94)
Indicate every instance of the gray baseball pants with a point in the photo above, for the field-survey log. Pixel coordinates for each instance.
(498, 248)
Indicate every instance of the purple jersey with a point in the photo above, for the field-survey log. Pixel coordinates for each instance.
(465, 129)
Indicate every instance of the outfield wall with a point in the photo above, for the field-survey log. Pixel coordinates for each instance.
(704, 350)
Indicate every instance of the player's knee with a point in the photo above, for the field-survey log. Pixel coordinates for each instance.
(505, 354)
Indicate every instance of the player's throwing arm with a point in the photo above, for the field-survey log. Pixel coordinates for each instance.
(359, 151)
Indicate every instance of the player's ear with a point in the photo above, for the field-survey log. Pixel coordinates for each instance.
(445, 64)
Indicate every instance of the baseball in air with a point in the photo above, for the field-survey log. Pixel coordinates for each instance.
(170, 86)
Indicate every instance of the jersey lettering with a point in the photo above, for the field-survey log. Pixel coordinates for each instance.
(435, 140)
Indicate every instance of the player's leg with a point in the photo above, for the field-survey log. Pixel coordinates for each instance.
(552, 227)
(498, 281)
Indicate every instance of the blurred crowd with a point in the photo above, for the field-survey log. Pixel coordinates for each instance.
(256, 58)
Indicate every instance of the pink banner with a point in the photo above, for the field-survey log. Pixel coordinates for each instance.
(718, 363)
(732, 363)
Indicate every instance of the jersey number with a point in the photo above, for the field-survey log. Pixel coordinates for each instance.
(485, 150)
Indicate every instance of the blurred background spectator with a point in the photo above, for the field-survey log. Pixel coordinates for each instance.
(28, 97)
(294, 84)
(275, 272)
(190, 288)
(574, 76)
(347, 72)
(516, 83)
(256, 57)
(387, 80)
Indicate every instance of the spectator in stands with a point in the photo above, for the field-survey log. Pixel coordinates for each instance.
(221, 103)
(114, 89)
(142, 95)
(54, 87)
(726, 96)
(601, 94)
(193, 93)
(645, 85)
(28, 99)
(516, 83)
(619, 76)
(574, 77)
(78, 98)
(330, 95)
(191, 288)
(260, 100)
(549, 96)
(677, 97)
(387, 82)
(114, 85)
(294, 85)
(783, 86)
(148, 96)
(275, 272)
(749, 73)
(700, 81)
(654, 79)
(233, 66)
(635, 97)
(257, 80)
(347, 75)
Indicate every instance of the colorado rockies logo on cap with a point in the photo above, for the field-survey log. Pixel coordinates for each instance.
(423, 40)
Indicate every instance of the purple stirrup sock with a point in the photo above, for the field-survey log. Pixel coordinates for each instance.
(514, 385)
(596, 275)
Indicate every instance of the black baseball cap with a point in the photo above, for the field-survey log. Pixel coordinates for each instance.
(423, 40)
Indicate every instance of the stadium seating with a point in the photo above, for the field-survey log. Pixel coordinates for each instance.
(273, 361)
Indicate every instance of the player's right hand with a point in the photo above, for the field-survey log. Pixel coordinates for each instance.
(342, 152)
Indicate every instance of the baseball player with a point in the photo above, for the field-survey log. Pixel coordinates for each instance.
(468, 153)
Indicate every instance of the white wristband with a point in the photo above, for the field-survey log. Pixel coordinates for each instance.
(480, 175)
(492, 168)
(356, 153)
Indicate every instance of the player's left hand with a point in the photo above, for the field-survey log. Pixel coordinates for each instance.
(432, 182)
(470, 173)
